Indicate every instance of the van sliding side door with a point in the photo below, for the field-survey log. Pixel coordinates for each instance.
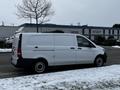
(64, 50)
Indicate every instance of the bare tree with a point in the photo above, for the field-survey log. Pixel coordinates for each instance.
(36, 9)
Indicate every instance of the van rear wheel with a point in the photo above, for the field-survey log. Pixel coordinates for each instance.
(99, 62)
(39, 67)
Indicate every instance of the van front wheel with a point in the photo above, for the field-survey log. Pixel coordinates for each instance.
(39, 67)
(99, 62)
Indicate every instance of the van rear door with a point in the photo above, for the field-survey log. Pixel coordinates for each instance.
(15, 48)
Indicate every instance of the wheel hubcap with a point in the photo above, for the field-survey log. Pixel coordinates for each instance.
(39, 67)
(99, 62)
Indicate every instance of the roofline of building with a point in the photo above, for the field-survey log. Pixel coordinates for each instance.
(63, 26)
(8, 26)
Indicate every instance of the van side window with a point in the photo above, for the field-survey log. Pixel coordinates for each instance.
(82, 42)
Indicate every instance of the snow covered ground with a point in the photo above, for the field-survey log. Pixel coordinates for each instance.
(103, 78)
(5, 50)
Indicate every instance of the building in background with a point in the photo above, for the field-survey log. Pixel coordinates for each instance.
(92, 32)
(7, 31)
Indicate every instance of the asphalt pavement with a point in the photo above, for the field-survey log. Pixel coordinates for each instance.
(7, 70)
(113, 55)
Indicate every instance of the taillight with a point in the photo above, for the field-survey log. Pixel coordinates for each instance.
(19, 53)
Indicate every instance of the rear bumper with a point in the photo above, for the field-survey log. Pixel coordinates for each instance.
(23, 63)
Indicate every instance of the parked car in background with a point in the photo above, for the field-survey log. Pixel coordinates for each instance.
(9, 40)
(40, 50)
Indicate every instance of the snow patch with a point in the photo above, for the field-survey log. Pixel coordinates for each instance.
(103, 78)
(5, 50)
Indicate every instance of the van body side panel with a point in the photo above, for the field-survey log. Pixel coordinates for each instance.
(38, 46)
(86, 55)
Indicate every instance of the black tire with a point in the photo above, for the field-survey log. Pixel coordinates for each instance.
(99, 62)
(39, 67)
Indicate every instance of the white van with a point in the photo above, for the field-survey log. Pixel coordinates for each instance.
(40, 50)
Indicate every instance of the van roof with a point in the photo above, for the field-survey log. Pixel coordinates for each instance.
(51, 34)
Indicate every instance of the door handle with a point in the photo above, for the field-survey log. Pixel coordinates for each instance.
(36, 46)
(79, 48)
(72, 48)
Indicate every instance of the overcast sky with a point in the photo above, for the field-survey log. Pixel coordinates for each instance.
(90, 12)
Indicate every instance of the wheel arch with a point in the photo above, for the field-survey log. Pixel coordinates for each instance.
(42, 60)
(104, 57)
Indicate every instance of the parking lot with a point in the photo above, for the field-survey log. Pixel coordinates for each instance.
(7, 70)
(113, 55)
